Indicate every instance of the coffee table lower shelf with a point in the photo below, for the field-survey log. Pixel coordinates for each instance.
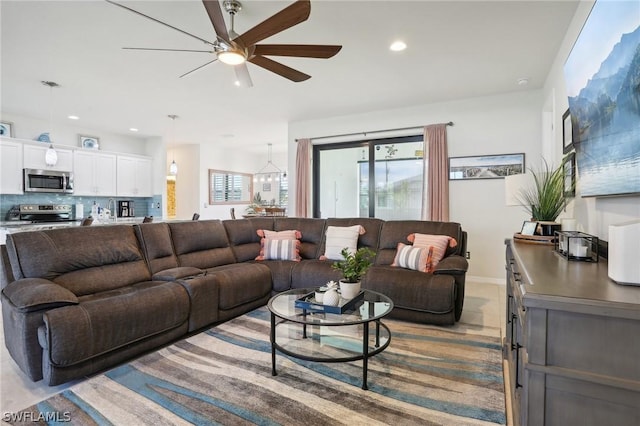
(367, 352)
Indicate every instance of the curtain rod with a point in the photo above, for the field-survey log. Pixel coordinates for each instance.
(450, 123)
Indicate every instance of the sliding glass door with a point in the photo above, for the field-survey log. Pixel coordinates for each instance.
(380, 178)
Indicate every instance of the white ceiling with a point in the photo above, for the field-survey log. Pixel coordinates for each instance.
(456, 50)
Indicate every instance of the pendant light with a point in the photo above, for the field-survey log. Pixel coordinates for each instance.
(50, 155)
(173, 168)
(274, 170)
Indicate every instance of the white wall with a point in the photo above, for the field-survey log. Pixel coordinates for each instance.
(67, 134)
(212, 157)
(510, 123)
(593, 215)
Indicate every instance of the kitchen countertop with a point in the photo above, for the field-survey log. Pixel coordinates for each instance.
(24, 225)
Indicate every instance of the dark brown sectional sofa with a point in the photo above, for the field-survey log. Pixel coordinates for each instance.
(80, 300)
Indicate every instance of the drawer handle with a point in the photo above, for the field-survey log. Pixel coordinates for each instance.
(518, 346)
(513, 321)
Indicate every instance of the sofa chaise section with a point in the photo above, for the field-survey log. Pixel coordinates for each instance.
(83, 300)
(436, 297)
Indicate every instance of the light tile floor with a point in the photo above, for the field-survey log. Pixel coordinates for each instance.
(483, 313)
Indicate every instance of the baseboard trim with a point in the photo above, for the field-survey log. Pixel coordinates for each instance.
(487, 280)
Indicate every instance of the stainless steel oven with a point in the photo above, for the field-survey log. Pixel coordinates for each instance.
(36, 180)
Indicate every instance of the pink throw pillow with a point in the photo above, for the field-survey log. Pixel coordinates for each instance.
(439, 244)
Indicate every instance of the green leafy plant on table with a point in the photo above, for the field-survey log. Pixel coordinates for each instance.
(354, 265)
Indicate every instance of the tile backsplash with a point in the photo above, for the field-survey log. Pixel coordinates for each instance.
(144, 206)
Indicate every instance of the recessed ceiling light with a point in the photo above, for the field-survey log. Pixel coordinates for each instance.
(398, 46)
(73, 117)
(133, 129)
(237, 83)
(523, 81)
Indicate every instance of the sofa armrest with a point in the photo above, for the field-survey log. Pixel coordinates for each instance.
(181, 272)
(452, 265)
(34, 294)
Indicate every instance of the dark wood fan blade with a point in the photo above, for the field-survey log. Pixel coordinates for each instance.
(159, 22)
(286, 18)
(215, 15)
(280, 69)
(299, 50)
(168, 50)
(196, 69)
(242, 74)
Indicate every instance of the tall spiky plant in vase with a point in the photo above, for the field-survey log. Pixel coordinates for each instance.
(545, 199)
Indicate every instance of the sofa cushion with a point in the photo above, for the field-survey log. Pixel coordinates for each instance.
(156, 243)
(241, 283)
(313, 273)
(438, 243)
(33, 294)
(410, 257)
(396, 231)
(243, 238)
(106, 321)
(312, 230)
(413, 290)
(201, 244)
(84, 260)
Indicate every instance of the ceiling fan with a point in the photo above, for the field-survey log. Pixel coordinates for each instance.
(233, 49)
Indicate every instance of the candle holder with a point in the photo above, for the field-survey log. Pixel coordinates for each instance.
(575, 245)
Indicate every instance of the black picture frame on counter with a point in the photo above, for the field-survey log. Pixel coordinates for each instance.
(569, 171)
(567, 132)
(529, 227)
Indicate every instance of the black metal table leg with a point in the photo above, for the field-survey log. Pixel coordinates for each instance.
(273, 345)
(304, 326)
(365, 355)
(377, 333)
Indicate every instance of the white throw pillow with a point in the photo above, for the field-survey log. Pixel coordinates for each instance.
(339, 237)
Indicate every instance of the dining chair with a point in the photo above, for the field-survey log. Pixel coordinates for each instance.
(195, 216)
(87, 221)
(147, 219)
(233, 212)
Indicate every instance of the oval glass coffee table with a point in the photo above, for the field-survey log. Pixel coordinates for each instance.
(313, 335)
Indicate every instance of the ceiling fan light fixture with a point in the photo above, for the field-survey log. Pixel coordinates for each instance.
(398, 46)
(231, 57)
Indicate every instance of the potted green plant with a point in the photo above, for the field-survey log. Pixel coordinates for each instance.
(353, 267)
(545, 199)
(256, 206)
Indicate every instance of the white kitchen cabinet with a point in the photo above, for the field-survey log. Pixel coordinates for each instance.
(134, 176)
(10, 167)
(34, 158)
(94, 173)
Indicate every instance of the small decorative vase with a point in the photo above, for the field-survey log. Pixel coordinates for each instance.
(331, 297)
(319, 296)
(349, 290)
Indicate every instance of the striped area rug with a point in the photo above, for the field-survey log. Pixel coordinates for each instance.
(427, 376)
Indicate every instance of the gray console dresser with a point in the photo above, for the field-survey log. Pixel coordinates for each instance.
(572, 341)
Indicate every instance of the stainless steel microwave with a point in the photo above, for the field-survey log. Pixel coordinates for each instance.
(36, 180)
